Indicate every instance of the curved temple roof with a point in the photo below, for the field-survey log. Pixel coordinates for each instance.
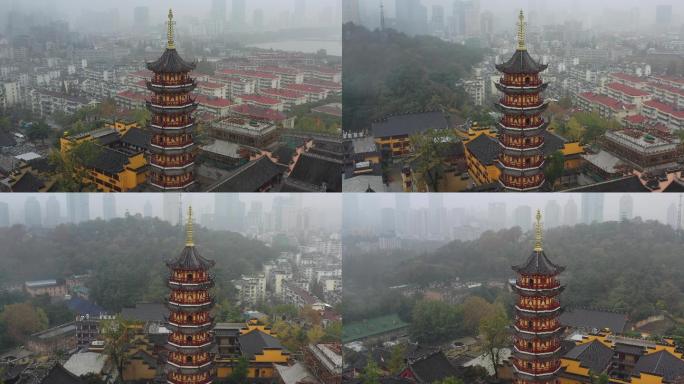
(190, 259)
(538, 263)
(521, 63)
(170, 61)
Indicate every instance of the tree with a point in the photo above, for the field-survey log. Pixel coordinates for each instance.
(600, 379)
(494, 331)
(116, 337)
(433, 321)
(227, 312)
(427, 157)
(475, 309)
(23, 319)
(39, 131)
(240, 372)
(554, 168)
(333, 332)
(71, 165)
(397, 357)
(315, 334)
(371, 373)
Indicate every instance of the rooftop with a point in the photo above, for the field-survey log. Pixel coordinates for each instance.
(614, 104)
(626, 89)
(409, 124)
(627, 77)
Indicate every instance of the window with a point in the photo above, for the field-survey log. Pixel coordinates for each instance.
(527, 80)
(189, 276)
(188, 339)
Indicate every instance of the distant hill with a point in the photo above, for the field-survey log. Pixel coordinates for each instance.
(387, 72)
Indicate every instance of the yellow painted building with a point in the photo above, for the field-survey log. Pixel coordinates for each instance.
(624, 360)
(482, 151)
(121, 165)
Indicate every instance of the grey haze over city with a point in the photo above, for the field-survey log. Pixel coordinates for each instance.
(322, 211)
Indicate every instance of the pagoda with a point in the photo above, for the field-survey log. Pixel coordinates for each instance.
(522, 128)
(189, 345)
(172, 158)
(537, 331)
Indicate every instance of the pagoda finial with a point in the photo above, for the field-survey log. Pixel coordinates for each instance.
(538, 233)
(171, 44)
(521, 32)
(188, 231)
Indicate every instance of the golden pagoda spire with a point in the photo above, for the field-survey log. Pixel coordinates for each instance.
(188, 230)
(171, 44)
(538, 233)
(521, 32)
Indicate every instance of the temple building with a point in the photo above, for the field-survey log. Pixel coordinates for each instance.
(521, 131)
(537, 332)
(172, 158)
(190, 360)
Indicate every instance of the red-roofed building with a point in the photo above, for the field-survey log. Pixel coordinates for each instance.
(672, 81)
(312, 93)
(287, 75)
(330, 86)
(139, 86)
(665, 114)
(667, 93)
(322, 73)
(265, 114)
(631, 80)
(287, 97)
(261, 101)
(217, 106)
(635, 121)
(130, 99)
(141, 75)
(212, 89)
(262, 79)
(607, 107)
(627, 94)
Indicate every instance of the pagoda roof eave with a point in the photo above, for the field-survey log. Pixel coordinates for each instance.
(171, 62)
(521, 63)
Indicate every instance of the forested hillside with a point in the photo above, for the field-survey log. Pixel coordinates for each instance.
(386, 72)
(634, 267)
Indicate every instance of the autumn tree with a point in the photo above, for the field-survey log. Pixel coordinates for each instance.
(427, 156)
(475, 309)
(494, 332)
(71, 166)
(23, 319)
(397, 357)
(116, 337)
(371, 373)
(555, 166)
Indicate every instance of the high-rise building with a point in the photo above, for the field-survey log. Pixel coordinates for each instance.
(570, 213)
(238, 14)
(402, 211)
(537, 331)
(664, 14)
(78, 207)
(141, 19)
(258, 19)
(592, 208)
(171, 206)
(172, 159)
(436, 215)
(487, 24)
(626, 208)
(387, 221)
(108, 206)
(350, 213)
(496, 215)
(552, 214)
(672, 212)
(522, 127)
(4, 215)
(411, 17)
(299, 17)
(472, 18)
(147, 209)
(191, 341)
(351, 12)
(52, 212)
(437, 19)
(229, 212)
(32, 213)
(522, 217)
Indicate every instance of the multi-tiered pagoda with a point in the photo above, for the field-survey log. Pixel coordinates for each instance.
(537, 330)
(190, 360)
(172, 157)
(522, 128)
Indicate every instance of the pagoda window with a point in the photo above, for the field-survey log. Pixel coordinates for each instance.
(527, 80)
(188, 359)
(189, 318)
(189, 276)
(527, 121)
(529, 345)
(188, 339)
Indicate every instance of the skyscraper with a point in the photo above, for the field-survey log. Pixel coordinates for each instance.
(218, 15)
(108, 206)
(496, 215)
(4, 215)
(350, 213)
(238, 15)
(522, 217)
(147, 209)
(411, 17)
(436, 215)
(664, 15)
(78, 207)
(437, 18)
(52, 212)
(171, 204)
(626, 208)
(570, 213)
(299, 17)
(229, 212)
(350, 12)
(32, 214)
(141, 19)
(258, 19)
(552, 214)
(592, 208)
(402, 209)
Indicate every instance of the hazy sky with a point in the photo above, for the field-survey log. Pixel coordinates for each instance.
(73, 9)
(328, 205)
(646, 205)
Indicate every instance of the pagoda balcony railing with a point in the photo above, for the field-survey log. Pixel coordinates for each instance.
(521, 105)
(172, 83)
(172, 185)
(182, 320)
(179, 340)
(523, 327)
(172, 141)
(538, 351)
(195, 280)
(520, 143)
(159, 124)
(529, 84)
(179, 360)
(172, 164)
(532, 125)
(521, 186)
(538, 308)
(161, 102)
(186, 299)
(185, 380)
(537, 371)
(520, 164)
(525, 284)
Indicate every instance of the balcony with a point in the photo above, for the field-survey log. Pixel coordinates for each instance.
(521, 164)
(522, 326)
(175, 378)
(521, 83)
(181, 361)
(517, 143)
(537, 307)
(160, 86)
(169, 185)
(550, 349)
(536, 371)
(182, 341)
(172, 142)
